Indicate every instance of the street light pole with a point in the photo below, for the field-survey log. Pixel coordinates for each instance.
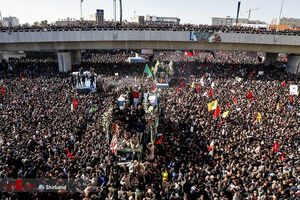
(280, 14)
(81, 1)
(115, 10)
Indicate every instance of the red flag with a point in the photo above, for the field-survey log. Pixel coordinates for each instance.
(217, 112)
(182, 69)
(211, 146)
(250, 95)
(220, 125)
(227, 105)
(75, 103)
(283, 84)
(291, 99)
(2, 89)
(154, 89)
(198, 88)
(203, 75)
(181, 83)
(251, 74)
(282, 157)
(210, 92)
(177, 91)
(112, 147)
(159, 141)
(21, 77)
(180, 100)
(70, 154)
(275, 147)
(234, 101)
(253, 99)
(190, 54)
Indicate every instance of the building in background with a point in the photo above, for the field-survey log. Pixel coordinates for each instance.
(162, 20)
(10, 21)
(290, 21)
(229, 21)
(285, 24)
(100, 16)
(71, 21)
(138, 19)
(4, 23)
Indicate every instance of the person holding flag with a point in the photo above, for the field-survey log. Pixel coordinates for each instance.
(275, 147)
(75, 103)
(3, 92)
(148, 72)
(258, 117)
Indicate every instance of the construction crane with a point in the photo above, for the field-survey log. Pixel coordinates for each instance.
(250, 10)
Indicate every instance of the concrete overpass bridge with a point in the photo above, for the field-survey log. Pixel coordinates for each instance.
(68, 43)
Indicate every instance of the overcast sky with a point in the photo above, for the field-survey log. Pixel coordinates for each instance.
(196, 11)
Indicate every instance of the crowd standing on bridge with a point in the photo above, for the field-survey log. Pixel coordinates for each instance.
(85, 26)
(202, 155)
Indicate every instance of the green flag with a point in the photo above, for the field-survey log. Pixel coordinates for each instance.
(92, 110)
(147, 71)
(193, 84)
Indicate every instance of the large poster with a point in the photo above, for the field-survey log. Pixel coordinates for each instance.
(205, 36)
(293, 89)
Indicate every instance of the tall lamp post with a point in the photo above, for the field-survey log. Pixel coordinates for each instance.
(280, 15)
(81, 18)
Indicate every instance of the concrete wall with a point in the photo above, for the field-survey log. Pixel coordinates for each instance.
(293, 65)
(134, 39)
(270, 59)
(64, 61)
(81, 36)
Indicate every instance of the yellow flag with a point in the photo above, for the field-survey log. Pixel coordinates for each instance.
(193, 84)
(209, 106)
(213, 105)
(278, 106)
(152, 68)
(258, 117)
(224, 115)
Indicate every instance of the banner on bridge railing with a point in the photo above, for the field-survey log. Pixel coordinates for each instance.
(199, 36)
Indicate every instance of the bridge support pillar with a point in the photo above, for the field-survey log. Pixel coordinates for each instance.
(293, 65)
(270, 58)
(64, 61)
(76, 57)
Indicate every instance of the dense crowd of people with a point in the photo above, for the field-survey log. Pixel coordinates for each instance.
(199, 153)
(85, 26)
